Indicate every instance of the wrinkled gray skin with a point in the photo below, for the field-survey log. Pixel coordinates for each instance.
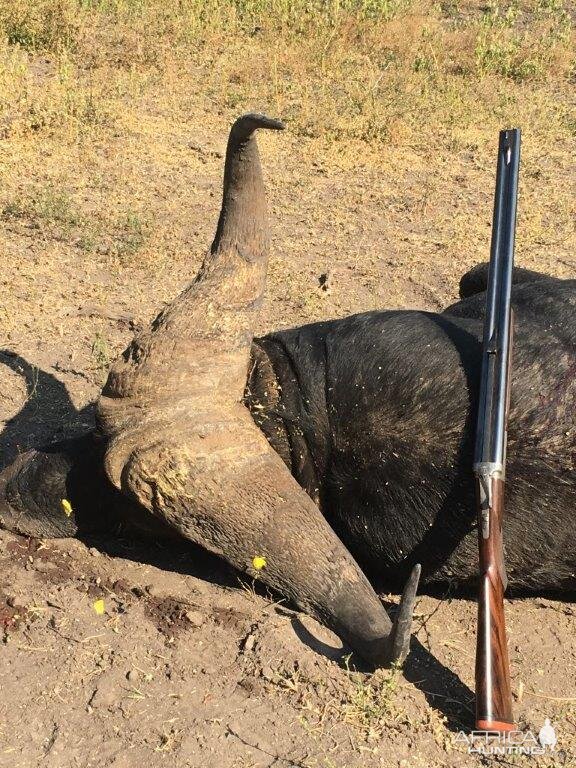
(361, 450)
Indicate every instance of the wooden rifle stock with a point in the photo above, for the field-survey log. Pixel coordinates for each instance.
(493, 691)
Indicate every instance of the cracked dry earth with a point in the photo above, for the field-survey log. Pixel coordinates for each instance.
(184, 665)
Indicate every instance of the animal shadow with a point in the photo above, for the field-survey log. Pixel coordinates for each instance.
(442, 688)
(48, 414)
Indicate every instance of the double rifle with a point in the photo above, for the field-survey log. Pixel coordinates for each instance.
(493, 690)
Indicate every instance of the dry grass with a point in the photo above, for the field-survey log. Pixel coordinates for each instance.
(365, 703)
(349, 69)
(369, 706)
(353, 75)
(113, 115)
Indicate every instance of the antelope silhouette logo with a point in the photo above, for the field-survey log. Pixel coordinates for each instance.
(547, 736)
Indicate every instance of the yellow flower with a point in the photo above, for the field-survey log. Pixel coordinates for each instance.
(259, 562)
(99, 606)
(67, 507)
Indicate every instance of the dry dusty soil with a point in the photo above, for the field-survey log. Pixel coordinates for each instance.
(186, 666)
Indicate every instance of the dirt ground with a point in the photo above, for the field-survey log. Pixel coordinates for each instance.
(187, 666)
(184, 665)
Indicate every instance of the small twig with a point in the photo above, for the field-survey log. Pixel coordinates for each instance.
(449, 699)
(32, 648)
(51, 741)
(75, 639)
(550, 698)
(134, 693)
(275, 757)
(424, 623)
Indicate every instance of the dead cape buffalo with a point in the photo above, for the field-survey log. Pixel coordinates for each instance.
(334, 449)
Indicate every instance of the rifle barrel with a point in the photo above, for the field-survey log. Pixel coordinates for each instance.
(491, 429)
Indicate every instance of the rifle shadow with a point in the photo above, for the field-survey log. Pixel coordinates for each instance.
(442, 688)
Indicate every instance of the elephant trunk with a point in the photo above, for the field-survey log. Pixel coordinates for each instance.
(180, 442)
